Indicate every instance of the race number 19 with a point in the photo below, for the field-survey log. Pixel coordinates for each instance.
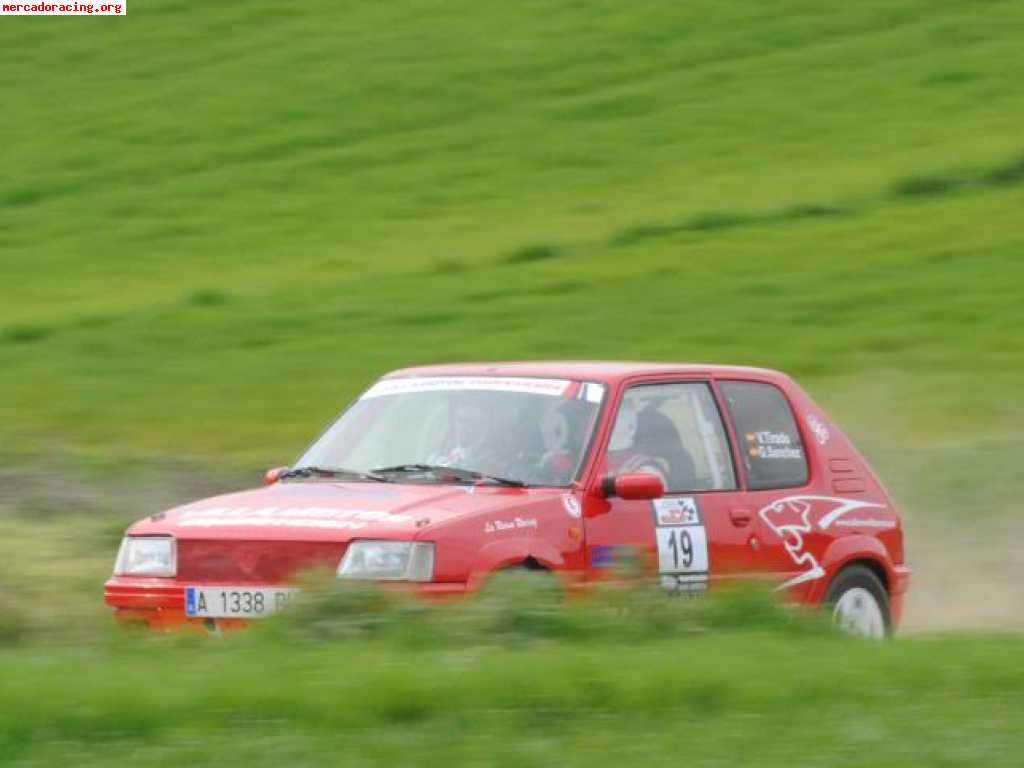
(682, 549)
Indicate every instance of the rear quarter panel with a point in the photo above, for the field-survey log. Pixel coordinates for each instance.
(871, 532)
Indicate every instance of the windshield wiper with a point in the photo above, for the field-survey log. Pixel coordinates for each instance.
(456, 473)
(333, 472)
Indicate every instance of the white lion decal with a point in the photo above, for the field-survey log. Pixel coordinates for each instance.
(790, 519)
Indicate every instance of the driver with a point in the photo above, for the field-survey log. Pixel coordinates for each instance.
(468, 437)
(623, 454)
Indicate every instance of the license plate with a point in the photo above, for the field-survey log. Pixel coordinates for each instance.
(236, 602)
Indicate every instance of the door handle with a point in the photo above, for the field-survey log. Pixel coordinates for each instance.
(740, 517)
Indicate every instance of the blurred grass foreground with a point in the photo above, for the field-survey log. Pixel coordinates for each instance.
(358, 677)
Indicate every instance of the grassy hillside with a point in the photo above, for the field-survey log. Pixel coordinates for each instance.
(218, 223)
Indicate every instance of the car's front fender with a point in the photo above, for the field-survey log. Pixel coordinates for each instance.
(501, 554)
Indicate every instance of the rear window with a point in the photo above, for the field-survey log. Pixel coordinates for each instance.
(769, 441)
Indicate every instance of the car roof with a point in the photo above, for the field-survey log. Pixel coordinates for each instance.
(590, 370)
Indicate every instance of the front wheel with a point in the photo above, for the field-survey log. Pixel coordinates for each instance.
(859, 603)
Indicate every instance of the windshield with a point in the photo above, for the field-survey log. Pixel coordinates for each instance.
(534, 431)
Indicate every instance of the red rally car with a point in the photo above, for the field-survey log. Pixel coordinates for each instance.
(439, 476)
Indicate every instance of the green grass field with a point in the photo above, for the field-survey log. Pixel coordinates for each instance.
(508, 681)
(219, 222)
(520, 687)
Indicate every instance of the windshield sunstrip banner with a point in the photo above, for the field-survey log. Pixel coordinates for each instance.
(550, 387)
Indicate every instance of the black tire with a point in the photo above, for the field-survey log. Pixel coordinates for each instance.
(858, 577)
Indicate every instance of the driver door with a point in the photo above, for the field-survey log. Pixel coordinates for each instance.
(699, 532)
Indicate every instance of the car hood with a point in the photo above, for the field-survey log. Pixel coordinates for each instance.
(330, 511)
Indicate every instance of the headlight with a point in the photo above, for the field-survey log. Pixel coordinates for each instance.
(146, 556)
(388, 560)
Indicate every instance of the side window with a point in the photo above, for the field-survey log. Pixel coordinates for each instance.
(769, 440)
(676, 432)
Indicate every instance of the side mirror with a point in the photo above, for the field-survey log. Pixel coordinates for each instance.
(635, 486)
(273, 475)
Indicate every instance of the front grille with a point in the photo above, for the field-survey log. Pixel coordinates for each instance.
(245, 562)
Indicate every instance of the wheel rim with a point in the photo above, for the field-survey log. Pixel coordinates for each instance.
(858, 613)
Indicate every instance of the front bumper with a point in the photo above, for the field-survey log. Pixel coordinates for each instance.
(159, 603)
(144, 593)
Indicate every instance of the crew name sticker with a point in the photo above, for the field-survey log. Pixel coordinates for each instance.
(682, 544)
(773, 445)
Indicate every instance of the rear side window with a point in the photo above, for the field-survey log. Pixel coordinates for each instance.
(769, 440)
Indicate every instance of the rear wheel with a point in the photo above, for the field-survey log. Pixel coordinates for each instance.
(859, 603)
